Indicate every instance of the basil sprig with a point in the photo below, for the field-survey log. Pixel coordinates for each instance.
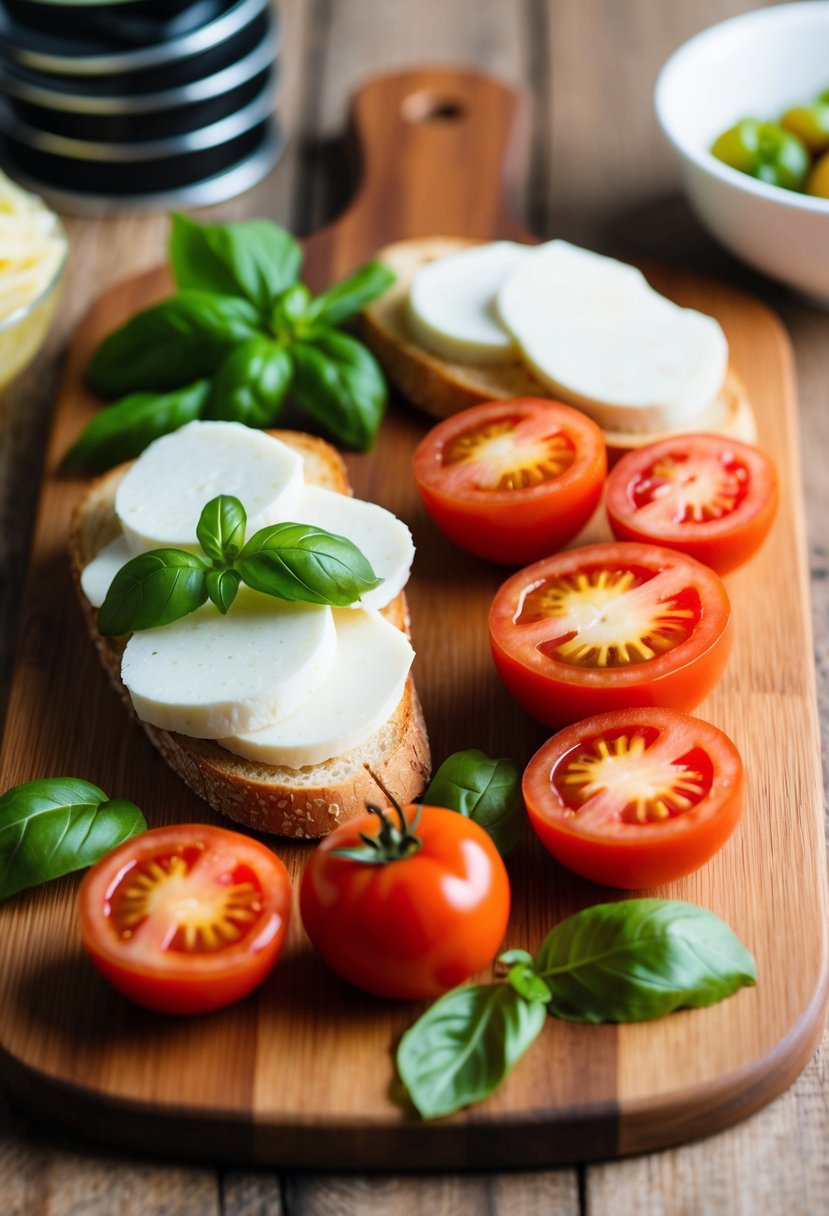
(240, 336)
(619, 962)
(486, 790)
(288, 561)
(52, 827)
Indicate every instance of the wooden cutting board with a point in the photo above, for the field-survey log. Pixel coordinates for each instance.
(302, 1072)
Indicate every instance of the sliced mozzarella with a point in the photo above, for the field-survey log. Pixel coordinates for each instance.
(382, 537)
(160, 498)
(209, 675)
(358, 697)
(597, 334)
(97, 576)
(452, 303)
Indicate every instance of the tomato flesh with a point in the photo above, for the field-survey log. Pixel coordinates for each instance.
(635, 798)
(511, 481)
(411, 928)
(186, 919)
(607, 627)
(707, 496)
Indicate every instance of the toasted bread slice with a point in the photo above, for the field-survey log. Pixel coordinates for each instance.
(442, 387)
(303, 803)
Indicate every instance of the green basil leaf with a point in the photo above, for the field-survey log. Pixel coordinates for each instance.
(251, 383)
(340, 384)
(526, 983)
(152, 589)
(464, 1045)
(123, 430)
(255, 259)
(222, 588)
(510, 957)
(290, 307)
(345, 299)
(639, 959)
(171, 344)
(488, 791)
(52, 827)
(221, 528)
(301, 562)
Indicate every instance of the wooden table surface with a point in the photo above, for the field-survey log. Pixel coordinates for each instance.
(600, 176)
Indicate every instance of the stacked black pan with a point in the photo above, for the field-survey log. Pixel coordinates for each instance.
(142, 102)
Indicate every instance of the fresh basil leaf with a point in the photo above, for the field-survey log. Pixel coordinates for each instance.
(123, 430)
(251, 383)
(290, 307)
(510, 957)
(639, 959)
(222, 587)
(345, 299)
(340, 384)
(171, 344)
(52, 827)
(302, 562)
(464, 1045)
(221, 528)
(488, 791)
(255, 259)
(526, 983)
(152, 589)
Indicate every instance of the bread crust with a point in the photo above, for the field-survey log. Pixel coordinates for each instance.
(300, 803)
(441, 387)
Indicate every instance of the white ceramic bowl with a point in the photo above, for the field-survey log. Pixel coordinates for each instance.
(753, 66)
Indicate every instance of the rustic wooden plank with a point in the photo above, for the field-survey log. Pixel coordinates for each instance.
(542, 1193)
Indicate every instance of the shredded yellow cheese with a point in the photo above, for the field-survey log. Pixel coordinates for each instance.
(32, 247)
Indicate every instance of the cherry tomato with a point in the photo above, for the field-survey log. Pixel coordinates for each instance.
(610, 626)
(710, 497)
(635, 798)
(417, 924)
(185, 919)
(512, 481)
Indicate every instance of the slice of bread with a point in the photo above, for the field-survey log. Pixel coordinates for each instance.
(442, 387)
(304, 803)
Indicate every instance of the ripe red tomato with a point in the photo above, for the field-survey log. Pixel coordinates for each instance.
(712, 498)
(607, 627)
(512, 481)
(186, 919)
(635, 798)
(415, 926)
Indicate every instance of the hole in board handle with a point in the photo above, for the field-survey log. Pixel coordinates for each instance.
(427, 106)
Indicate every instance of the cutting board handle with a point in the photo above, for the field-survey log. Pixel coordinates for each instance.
(418, 133)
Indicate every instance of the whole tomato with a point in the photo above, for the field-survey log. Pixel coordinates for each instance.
(406, 909)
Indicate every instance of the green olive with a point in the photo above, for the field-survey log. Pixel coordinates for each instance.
(819, 178)
(765, 151)
(810, 124)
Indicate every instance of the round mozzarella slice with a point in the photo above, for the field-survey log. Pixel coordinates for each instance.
(358, 697)
(97, 576)
(209, 675)
(599, 336)
(382, 537)
(452, 303)
(161, 497)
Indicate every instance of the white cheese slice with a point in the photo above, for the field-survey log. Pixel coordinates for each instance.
(358, 697)
(209, 675)
(597, 334)
(97, 576)
(382, 538)
(452, 303)
(161, 497)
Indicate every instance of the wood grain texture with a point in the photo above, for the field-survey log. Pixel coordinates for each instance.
(302, 1072)
(599, 173)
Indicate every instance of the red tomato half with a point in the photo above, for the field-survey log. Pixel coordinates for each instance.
(414, 927)
(186, 919)
(635, 798)
(710, 497)
(512, 481)
(607, 627)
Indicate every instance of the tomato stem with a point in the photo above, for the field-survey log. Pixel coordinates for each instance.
(391, 843)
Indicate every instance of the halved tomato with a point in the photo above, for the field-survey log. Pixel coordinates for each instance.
(608, 627)
(635, 798)
(711, 497)
(512, 481)
(186, 919)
